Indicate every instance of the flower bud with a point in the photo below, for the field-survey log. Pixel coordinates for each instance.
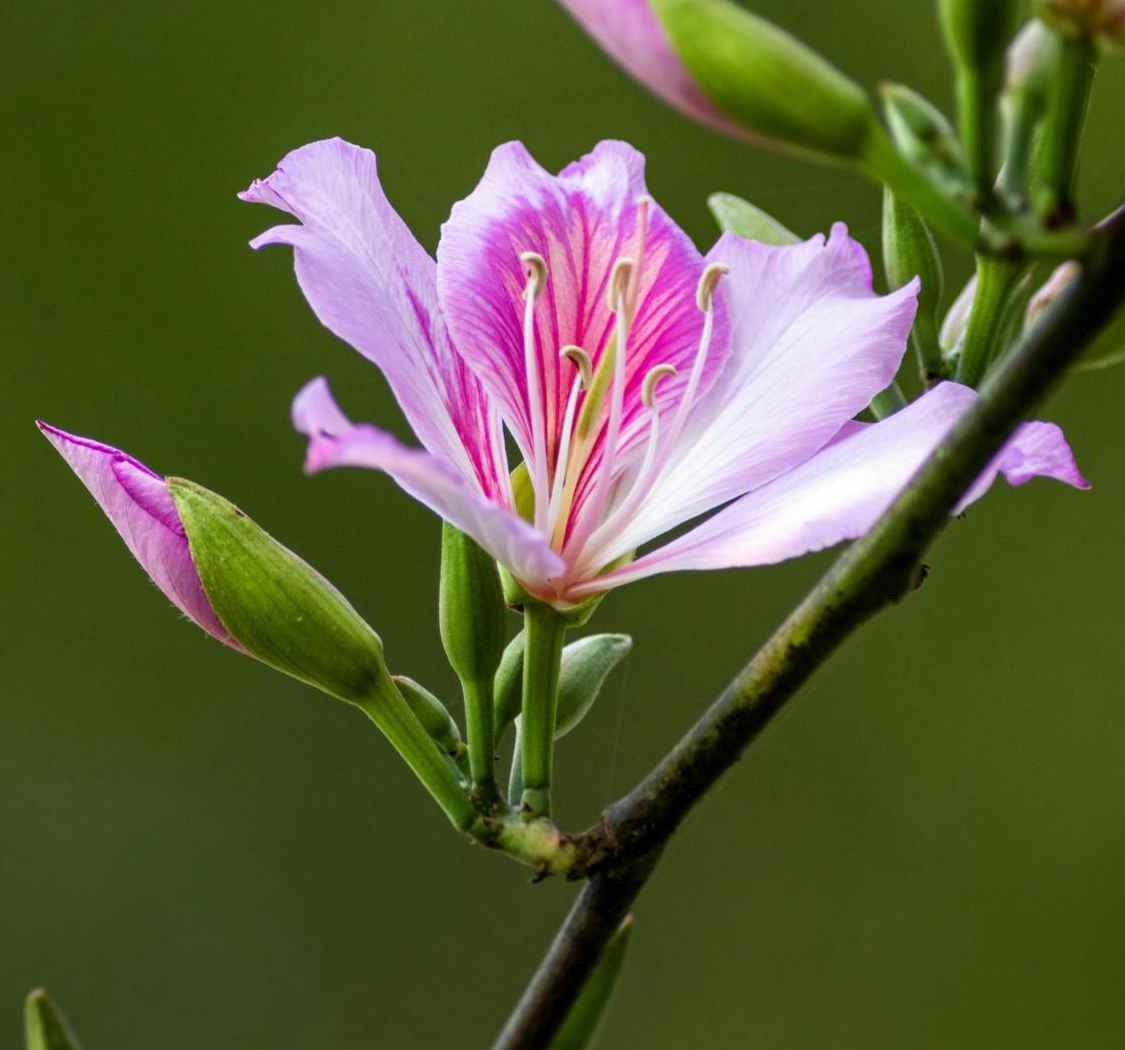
(767, 82)
(909, 251)
(277, 606)
(977, 33)
(1100, 20)
(45, 1028)
(957, 316)
(1032, 61)
(585, 666)
(471, 614)
(433, 714)
(735, 215)
(924, 136)
(1052, 289)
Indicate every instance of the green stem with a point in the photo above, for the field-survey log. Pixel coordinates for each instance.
(1057, 160)
(882, 162)
(480, 739)
(977, 92)
(888, 402)
(391, 713)
(996, 280)
(544, 629)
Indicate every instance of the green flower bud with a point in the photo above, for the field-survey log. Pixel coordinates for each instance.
(957, 316)
(770, 84)
(471, 615)
(1032, 62)
(977, 33)
(1052, 289)
(282, 611)
(433, 714)
(585, 666)
(924, 136)
(45, 1028)
(909, 251)
(276, 605)
(735, 215)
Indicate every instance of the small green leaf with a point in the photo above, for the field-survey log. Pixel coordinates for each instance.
(735, 215)
(44, 1026)
(582, 1025)
(433, 715)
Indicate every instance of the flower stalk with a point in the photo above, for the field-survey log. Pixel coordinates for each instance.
(544, 628)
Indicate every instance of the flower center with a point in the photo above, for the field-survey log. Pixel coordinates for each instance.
(595, 407)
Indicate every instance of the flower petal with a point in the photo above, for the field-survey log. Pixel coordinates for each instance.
(811, 345)
(841, 492)
(373, 285)
(581, 222)
(629, 32)
(140, 507)
(336, 442)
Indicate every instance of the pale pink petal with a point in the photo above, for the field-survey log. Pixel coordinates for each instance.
(140, 507)
(811, 345)
(841, 492)
(336, 442)
(630, 33)
(372, 284)
(581, 222)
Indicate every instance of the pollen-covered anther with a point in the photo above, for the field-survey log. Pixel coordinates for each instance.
(536, 268)
(619, 279)
(581, 360)
(705, 290)
(652, 377)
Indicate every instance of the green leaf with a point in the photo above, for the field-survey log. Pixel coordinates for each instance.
(44, 1026)
(583, 1023)
(735, 215)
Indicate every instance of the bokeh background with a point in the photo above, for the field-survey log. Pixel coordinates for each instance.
(926, 850)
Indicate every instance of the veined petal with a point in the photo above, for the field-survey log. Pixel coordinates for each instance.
(372, 284)
(140, 507)
(581, 222)
(841, 492)
(629, 32)
(336, 442)
(811, 344)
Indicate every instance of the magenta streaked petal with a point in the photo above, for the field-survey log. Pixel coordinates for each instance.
(372, 284)
(581, 222)
(140, 507)
(630, 33)
(839, 493)
(811, 345)
(336, 442)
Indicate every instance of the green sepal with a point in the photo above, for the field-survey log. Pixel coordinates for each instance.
(766, 81)
(585, 666)
(925, 137)
(278, 608)
(909, 251)
(433, 714)
(45, 1028)
(583, 1023)
(735, 215)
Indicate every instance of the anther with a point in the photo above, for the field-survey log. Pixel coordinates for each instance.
(619, 279)
(652, 377)
(705, 290)
(536, 268)
(581, 360)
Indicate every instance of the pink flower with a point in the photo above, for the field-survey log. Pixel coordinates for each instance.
(137, 501)
(643, 384)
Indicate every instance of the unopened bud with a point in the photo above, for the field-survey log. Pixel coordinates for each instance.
(957, 316)
(45, 1028)
(771, 85)
(924, 136)
(274, 604)
(1054, 287)
(1100, 20)
(433, 714)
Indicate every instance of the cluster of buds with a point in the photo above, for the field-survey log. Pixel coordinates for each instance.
(1100, 20)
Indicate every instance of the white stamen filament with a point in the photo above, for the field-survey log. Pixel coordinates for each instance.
(536, 279)
(555, 505)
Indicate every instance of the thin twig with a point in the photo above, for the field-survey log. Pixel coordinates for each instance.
(621, 852)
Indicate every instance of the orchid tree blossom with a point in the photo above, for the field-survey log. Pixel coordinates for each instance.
(644, 384)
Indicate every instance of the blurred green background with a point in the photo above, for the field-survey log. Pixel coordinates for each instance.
(926, 851)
